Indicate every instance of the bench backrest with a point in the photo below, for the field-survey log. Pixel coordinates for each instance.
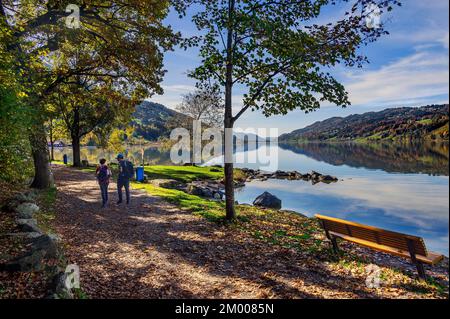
(374, 234)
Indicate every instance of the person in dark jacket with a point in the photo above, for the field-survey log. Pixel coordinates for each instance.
(123, 180)
(103, 174)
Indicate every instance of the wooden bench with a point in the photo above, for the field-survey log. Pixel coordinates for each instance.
(386, 241)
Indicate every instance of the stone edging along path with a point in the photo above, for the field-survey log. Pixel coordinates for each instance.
(41, 251)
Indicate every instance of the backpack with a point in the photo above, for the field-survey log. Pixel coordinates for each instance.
(128, 170)
(103, 174)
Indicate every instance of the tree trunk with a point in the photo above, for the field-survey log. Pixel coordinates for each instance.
(229, 165)
(75, 134)
(39, 150)
(76, 151)
(229, 191)
(52, 147)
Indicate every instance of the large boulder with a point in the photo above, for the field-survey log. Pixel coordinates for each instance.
(268, 200)
(42, 248)
(26, 210)
(27, 197)
(195, 190)
(61, 287)
(207, 193)
(218, 195)
(31, 261)
(28, 225)
(25, 235)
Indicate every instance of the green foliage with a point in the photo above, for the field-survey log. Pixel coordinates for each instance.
(277, 51)
(15, 118)
(116, 55)
(80, 294)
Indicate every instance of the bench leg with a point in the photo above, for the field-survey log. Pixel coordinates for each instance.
(335, 244)
(420, 270)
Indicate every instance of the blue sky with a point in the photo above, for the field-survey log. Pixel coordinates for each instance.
(409, 67)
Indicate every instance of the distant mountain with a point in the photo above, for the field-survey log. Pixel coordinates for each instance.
(153, 121)
(247, 137)
(430, 122)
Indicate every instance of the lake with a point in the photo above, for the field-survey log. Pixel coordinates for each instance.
(398, 186)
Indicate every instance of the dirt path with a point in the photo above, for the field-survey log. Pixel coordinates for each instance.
(152, 249)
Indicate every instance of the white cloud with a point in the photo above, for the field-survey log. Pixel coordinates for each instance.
(429, 35)
(444, 41)
(172, 95)
(421, 75)
(178, 88)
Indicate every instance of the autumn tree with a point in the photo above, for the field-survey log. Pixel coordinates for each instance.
(89, 108)
(280, 53)
(205, 104)
(127, 39)
(88, 102)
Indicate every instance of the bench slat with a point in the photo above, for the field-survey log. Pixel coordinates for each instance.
(431, 258)
(379, 230)
(373, 234)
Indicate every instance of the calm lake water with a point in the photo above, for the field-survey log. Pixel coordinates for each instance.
(401, 187)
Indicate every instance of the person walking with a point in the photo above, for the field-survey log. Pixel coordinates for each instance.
(126, 172)
(103, 174)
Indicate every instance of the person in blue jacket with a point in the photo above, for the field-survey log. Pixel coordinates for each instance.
(126, 172)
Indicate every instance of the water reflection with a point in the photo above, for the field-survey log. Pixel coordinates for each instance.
(148, 155)
(408, 157)
(413, 204)
(398, 186)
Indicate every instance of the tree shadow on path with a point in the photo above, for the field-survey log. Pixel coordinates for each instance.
(152, 249)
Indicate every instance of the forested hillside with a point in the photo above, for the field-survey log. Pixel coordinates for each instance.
(153, 121)
(430, 122)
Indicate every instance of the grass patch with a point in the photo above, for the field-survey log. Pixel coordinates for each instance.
(188, 174)
(80, 294)
(183, 174)
(211, 210)
(434, 284)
